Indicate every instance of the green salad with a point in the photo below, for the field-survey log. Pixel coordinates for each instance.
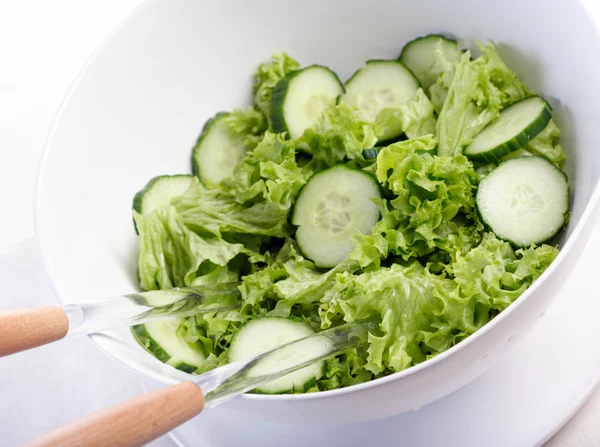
(424, 192)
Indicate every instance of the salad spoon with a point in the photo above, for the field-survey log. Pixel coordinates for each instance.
(140, 420)
(23, 329)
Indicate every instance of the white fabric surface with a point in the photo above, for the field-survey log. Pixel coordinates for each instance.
(43, 45)
(583, 430)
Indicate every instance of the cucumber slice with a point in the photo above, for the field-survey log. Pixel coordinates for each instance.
(524, 200)
(160, 298)
(516, 126)
(161, 340)
(300, 97)
(381, 84)
(421, 56)
(332, 207)
(159, 191)
(217, 151)
(261, 335)
(218, 296)
(371, 153)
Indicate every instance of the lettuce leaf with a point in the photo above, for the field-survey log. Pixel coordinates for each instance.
(438, 91)
(170, 255)
(471, 104)
(416, 117)
(432, 205)
(267, 76)
(269, 174)
(218, 213)
(423, 314)
(505, 80)
(248, 123)
(442, 65)
(338, 135)
(495, 274)
(345, 370)
(290, 281)
(259, 198)
(407, 300)
(478, 91)
(546, 144)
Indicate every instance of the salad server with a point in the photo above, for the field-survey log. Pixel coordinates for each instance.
(144, 418)
(23, 329)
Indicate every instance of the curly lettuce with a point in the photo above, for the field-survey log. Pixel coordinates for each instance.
(433, 202)
(495, 274)
(416, 117)
(291, 284)
(546, 144)
(471, 104)
(218, 213)
(267, 76)
(259, 198)
(269, 174)
(506, 81)
(479, 90)
(171, 255)
(423, 314)
(338, 135)
(438, 91)
(406, 299)
(248, 123)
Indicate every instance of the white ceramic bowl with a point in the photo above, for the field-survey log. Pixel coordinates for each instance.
(139, 104)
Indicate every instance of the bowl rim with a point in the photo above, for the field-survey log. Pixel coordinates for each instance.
(592, 203)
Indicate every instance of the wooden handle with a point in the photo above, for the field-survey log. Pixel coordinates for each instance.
(27, 328)
(132, 423)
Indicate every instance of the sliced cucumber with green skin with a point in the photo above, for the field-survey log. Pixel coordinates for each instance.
(516, 126)
(371, 153)
(161, 340)
(300, 98)
(421, 56)
(217, 151)
(160, 298)
(159, 191)
(380, 85)
(264, 334)
(332, 207)
(524, 200)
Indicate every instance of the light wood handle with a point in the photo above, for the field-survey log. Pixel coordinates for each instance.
(132, 423)
(28, 328)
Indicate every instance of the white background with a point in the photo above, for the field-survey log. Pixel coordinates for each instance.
(43, 45)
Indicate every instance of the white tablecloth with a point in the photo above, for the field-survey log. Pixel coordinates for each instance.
(43, 45)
